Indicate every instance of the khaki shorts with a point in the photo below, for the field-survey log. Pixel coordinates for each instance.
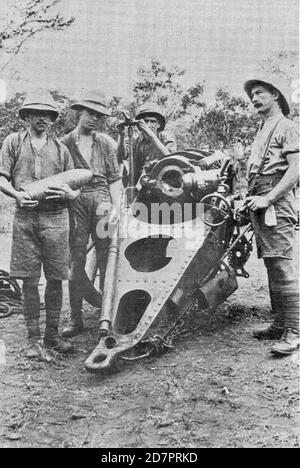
(87, 211)
(40, 238)
(276, 241)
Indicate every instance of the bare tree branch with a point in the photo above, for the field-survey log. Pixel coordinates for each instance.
(29, 18)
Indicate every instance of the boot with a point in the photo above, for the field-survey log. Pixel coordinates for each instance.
(33, 349)
(75, 327)
(55, 342)
(52, 338)
(270, 333)
(288, 344)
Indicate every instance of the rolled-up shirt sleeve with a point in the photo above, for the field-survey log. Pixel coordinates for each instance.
(290, 140)
(7, 157)
(111, 161)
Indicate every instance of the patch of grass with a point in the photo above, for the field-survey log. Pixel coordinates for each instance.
(235, 312)
(211, 320)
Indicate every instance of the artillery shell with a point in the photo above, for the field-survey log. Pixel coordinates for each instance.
(75, 178)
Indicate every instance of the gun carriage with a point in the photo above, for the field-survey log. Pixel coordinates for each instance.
(178, 240)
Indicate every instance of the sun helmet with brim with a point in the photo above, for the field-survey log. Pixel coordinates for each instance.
(94, 100)
(282, 99)
(40, 100)
(152, 111)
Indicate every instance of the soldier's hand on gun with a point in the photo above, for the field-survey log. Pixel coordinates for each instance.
(62, 192)
(257, 202)
(24, 200)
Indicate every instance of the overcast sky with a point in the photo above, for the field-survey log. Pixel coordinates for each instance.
(220, 41)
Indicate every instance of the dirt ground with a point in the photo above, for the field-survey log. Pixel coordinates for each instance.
(217, 388)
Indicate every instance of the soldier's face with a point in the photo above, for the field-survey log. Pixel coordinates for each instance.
(263, 99)
(152, 122)
(39, 121)
(89, 120)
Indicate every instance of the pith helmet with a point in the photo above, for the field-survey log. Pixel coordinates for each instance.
(94, 100)
(152, 110)
(40, 100)
(274, 83)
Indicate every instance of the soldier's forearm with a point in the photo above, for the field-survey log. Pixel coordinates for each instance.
(7, 188)
(161, 148)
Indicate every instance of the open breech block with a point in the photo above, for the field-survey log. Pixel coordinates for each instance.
(158, 269)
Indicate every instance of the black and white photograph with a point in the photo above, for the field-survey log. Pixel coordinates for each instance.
(149, 226)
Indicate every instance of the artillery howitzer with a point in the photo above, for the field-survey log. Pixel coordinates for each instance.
(169, 249)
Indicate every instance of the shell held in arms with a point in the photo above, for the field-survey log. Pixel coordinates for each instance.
(75, 178)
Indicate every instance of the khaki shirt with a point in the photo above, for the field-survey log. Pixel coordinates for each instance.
(284, 141)
(104, 163)
(22, 164)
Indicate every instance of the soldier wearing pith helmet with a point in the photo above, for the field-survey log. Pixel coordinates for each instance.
(152, 143)
(273, 172)
(96, 151)
(41, 229)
